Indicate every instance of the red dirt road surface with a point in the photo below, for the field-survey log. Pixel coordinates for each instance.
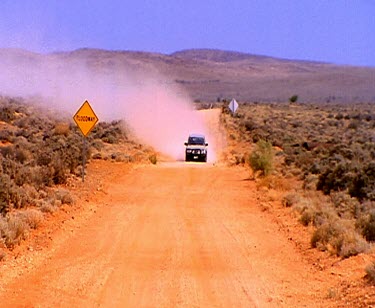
(171, 235)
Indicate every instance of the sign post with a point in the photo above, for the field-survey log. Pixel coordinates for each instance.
(86, 119)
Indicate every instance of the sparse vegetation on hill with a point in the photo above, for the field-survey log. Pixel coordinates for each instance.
(331, 149)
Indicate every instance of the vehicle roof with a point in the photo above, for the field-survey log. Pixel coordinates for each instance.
(196, 135)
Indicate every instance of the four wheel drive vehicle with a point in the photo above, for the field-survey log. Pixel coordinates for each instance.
(196, 148)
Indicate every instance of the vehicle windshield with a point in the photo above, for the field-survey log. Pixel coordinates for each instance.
(196, 140)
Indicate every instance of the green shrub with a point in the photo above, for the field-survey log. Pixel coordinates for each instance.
(293, 98)
(363, 184)
(337, 178)
(261, 158)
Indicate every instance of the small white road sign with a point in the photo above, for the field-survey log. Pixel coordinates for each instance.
(233, 105)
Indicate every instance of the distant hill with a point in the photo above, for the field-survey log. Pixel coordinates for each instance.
(216, 55)
(211, 75)
(219, 55)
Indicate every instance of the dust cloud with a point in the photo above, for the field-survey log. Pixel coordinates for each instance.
(162, 118)
(158, 112)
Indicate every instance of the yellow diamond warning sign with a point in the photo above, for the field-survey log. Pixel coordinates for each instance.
(85, 118)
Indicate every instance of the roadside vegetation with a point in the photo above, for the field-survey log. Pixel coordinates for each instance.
(261, 158)
(40, 153)
(330, 149)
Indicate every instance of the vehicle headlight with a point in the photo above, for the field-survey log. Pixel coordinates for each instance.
(188, 150)
(203, 151)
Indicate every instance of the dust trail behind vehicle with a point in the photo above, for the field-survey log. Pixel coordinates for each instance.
(159, 112)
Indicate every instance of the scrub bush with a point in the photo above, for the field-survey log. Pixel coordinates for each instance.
(338, 238)
(370, 272)
(366, 224)
(153, 159)
(331, 148)
(261, 158)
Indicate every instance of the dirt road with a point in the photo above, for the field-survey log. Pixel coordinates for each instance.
(171, 235)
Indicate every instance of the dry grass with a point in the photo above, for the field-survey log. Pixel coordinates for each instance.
(12, 230)
(339, 238)
(32, 217)
(62, 128)
(64, 196)
(47, 207)
(290, 199)
(15, 226)
(274, 182)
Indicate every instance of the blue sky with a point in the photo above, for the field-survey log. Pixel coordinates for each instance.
(337, 31)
